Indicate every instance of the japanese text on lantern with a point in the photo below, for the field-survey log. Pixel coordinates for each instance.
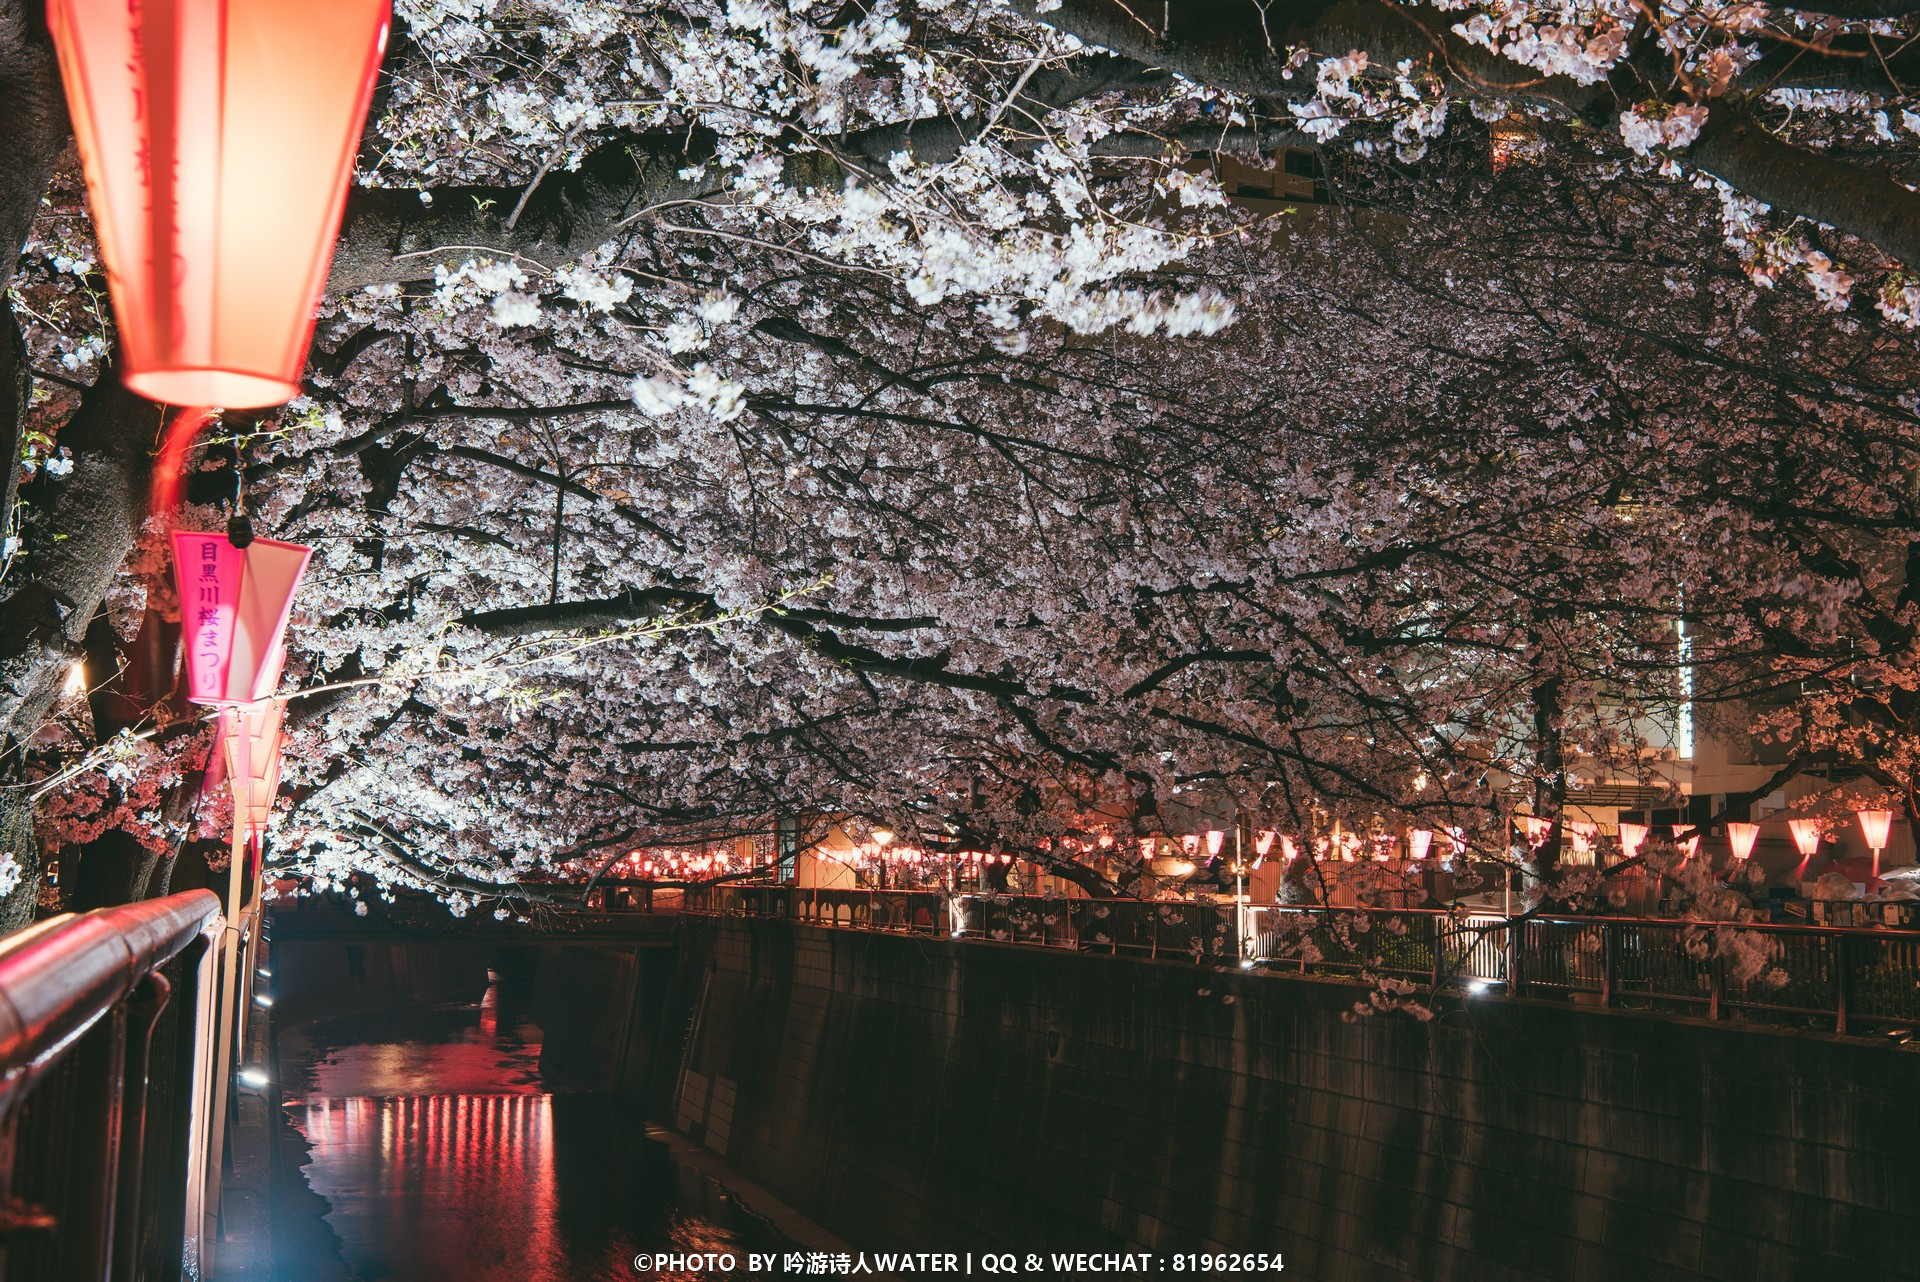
(210, 631)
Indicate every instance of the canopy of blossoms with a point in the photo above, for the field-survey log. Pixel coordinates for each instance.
(723, 411)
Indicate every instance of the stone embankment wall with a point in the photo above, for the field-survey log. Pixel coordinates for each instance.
(325, 979)
(911, 1093)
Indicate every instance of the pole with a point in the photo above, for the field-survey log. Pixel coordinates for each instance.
(229, 1012)
(1239, 890)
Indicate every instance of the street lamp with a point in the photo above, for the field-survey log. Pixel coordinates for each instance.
(218, 139)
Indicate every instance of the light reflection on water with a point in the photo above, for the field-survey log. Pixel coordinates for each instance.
(440, 1156)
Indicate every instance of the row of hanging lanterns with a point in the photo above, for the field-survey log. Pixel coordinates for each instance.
(218, 140)
(234, 606)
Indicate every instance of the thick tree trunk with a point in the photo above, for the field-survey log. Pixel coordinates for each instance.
(16, 842)
(33, 123)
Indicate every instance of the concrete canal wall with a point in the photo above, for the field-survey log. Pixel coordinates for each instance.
(913, 1093)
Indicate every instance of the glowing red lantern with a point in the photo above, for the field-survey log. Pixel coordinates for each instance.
(1146, 848)
(234, 604)
(1806, 840)
(1419, 841)
(1631, 835)
(1216, 838)
(1262, 843)
(218, 138)
(1740, 839)
(1874, 826)
(1686, 846)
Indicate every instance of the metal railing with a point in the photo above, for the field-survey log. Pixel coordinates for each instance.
(1849, 980)
(106, 1090)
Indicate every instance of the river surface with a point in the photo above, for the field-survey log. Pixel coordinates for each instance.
(433, 1151)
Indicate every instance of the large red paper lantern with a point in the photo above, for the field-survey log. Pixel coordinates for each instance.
(218, 139)
(234, 604)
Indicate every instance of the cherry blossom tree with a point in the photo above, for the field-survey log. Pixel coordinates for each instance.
(724, 411)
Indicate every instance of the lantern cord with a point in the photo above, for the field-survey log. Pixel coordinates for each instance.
(239, 525)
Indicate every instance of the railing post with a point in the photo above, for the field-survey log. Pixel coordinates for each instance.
(1513, 931)
(85, 1234)
(144, 1009)
(1842, 980)
(1609, 961)
(1437, 940)
(1716, 985)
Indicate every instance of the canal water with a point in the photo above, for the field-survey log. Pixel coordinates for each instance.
(422, 1145)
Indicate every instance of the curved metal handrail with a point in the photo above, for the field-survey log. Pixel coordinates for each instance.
(61, 975)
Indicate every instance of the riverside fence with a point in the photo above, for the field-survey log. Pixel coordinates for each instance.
(1847, 980)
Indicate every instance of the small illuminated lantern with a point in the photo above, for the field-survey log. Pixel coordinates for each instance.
(1686, 846)
(1419, 842)
(1262, 843)
(218, 139)
(1216, 838)
(1741, 838)
(234, 604)
(252, 737)
(1806, 840)
(1190, 844)
(1631, 838)
(1875, 826)
(1146, 848)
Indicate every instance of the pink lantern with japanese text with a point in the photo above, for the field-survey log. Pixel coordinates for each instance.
(1419, 841)
(1190, 844)
(234, 604)
(1146, 848)
(1741, 838)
